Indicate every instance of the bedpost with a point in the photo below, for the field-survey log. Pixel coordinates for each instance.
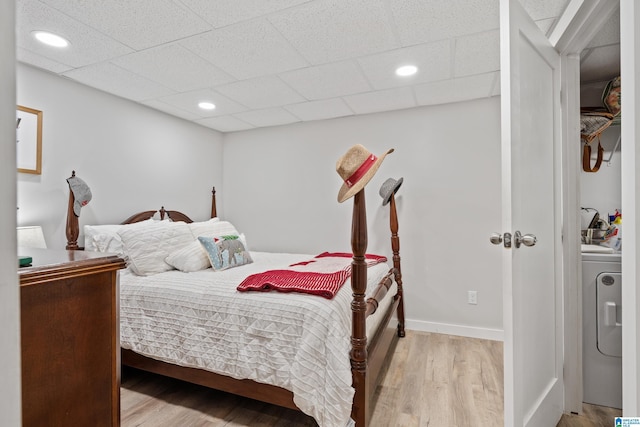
(395, 247)
(358, 352)
(214, 212)
(72, 228)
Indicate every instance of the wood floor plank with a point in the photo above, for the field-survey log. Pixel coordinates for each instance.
(434, 380)
(592, 416)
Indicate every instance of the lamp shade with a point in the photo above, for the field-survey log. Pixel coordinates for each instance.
(31, 237)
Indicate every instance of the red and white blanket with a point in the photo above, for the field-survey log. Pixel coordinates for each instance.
(323, 275)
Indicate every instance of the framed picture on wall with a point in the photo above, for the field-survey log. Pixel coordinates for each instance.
(29, 140)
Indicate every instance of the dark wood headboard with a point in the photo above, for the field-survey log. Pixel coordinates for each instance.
(73, 227)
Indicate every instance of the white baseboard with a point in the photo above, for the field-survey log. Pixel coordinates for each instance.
(452, 329)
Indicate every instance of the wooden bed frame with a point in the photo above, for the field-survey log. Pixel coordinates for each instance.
(369, 357)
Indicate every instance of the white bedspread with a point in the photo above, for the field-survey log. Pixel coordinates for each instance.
(294, 341)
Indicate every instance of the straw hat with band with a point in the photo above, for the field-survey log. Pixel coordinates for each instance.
(356, 168)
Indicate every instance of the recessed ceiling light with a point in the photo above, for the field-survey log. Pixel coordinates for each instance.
(50, 39)
(205, 105)
(406, 70)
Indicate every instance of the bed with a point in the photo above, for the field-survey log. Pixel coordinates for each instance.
(267, 367)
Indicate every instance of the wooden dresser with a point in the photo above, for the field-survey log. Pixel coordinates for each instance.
(70, 338)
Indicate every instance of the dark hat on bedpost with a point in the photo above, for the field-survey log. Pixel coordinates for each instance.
(356, 168)
(81, 193)
(389, 187)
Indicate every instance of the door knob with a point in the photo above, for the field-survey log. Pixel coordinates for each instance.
(497, 238)
(527, 239)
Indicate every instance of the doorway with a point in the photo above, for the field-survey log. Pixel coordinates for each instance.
(585, 42)
(600, 201)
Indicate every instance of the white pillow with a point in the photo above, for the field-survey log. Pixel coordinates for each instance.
(192, 257)
(105, 238)
(147, 247)
(220, 228)
(203, 227)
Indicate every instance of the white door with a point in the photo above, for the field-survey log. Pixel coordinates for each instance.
(532, 298)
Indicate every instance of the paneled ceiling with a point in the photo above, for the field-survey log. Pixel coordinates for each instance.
(265, 63)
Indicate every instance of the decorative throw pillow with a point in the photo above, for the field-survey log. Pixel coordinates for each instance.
(192, 257)
(225, 251)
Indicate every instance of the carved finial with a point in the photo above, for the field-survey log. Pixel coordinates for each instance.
(73, 174)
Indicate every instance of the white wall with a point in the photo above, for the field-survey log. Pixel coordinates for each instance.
(10, 392)
(132, 157)
(280, 188)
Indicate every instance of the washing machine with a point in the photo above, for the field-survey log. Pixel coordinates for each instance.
(602, 328)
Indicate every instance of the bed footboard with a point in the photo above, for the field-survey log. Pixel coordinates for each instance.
(381, 291)
(358, 354)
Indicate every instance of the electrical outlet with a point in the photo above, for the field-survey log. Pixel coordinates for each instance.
(472, 297)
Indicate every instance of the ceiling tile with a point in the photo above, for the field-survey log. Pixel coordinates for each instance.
(334, 30)
(268, 117)
(246, 50)
(327, 81)
(262, 92)
(87, 46)
(226, 12)
(477, 54)
(113, 79)
(420, 21)
(432, 59)
(225, 124)
(455, 90)
(542, 9)
(320, 110)
(139, 24)
(609, 33)
(267, 63)
(40, 61)
(175, 67)
(170, 109)
(382, 100)
(189, 101)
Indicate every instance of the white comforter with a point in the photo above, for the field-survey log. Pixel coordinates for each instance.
(294, 341)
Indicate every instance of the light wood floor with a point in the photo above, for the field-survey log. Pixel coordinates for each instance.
(592, 416)
(433, 380)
